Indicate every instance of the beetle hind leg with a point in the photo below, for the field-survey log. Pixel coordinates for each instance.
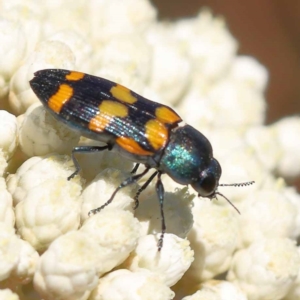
(125, 183)
(84, 149)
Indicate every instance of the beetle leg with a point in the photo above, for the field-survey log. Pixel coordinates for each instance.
(142, 188)
(125, 183)
(160, 193)
(84, 149)
(135, 168)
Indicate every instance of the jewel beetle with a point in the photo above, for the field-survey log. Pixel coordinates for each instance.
(139, 129)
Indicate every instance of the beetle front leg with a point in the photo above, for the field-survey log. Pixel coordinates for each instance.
(160, 193)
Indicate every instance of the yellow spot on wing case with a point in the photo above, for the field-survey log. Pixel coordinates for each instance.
(108, 110)
(123, 94)
(113, 108)
(167, 115)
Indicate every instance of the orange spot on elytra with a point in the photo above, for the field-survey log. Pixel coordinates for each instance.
(99, 123)
(74, 76)
(58, 100)
(131, 146)
(157, 134)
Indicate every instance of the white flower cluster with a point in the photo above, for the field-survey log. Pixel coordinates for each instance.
(51, 249)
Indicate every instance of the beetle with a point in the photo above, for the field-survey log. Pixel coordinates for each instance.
(139, 129)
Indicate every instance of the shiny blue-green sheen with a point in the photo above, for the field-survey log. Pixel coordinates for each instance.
(187, 154)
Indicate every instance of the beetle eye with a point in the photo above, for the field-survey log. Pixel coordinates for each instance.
(208, 180)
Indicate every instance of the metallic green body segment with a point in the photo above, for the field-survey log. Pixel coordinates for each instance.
(187, 159)
(179, 163)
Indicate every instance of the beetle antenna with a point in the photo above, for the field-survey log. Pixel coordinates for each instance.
(217, 193)
(238, 184)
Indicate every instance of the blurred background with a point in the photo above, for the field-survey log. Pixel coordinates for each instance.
(268, 30)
